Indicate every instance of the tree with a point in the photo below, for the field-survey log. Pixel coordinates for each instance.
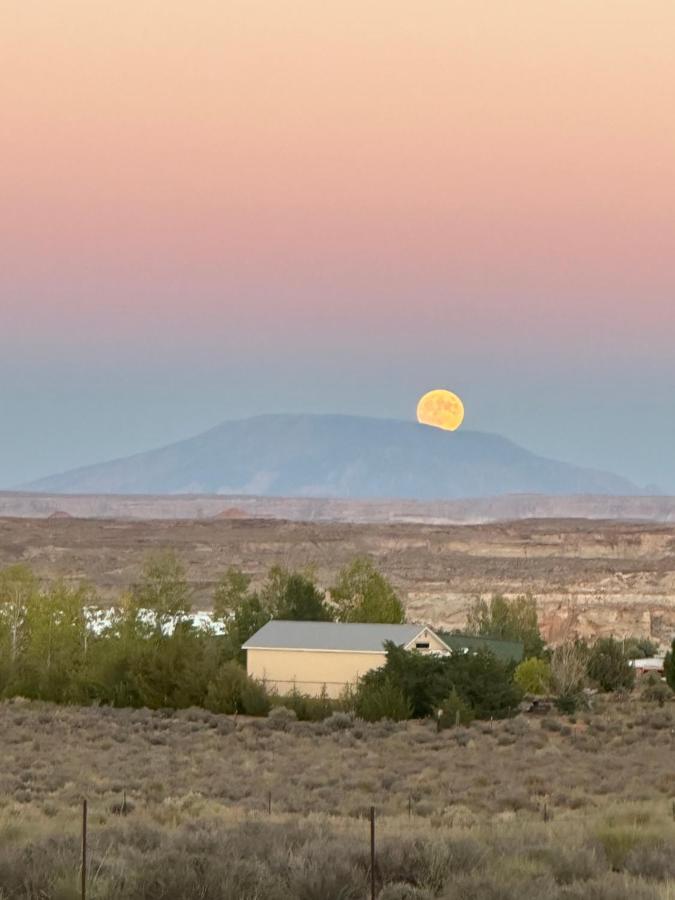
(639, 648)
(483, 682)
(163, 590)
(362, 594)
(240, 609)
(533, 676)
(383, 700)
(508, 620)
(669, 667)
(18, 588)
(568, 673)
(293, 595)
(454, 711)
(609, 667)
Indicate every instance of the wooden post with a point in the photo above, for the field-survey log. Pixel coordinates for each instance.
(457, 719)
(269, 803)
(545, 812)
(372, 853)
(84, 850)
(410, 806)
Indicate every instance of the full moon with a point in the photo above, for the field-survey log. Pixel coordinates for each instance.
(441, 409)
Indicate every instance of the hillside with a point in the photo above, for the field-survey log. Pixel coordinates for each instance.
(337, 456)
(600, 578)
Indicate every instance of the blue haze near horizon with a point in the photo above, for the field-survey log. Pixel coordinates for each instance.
(61, 414)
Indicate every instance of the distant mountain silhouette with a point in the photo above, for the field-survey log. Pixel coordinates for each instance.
(337, 456)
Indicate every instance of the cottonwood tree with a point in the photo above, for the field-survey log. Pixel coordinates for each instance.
(240, 609)
(568, 672)
(507, 619)
(18, 587)
(163, 590)
(362, 594)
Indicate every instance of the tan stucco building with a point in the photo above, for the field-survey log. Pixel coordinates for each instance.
(306, 656)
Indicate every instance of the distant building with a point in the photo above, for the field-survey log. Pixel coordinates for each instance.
(505, 651)
(649, 665)
(308, 656)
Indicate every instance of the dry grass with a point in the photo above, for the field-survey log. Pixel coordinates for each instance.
(198, 786)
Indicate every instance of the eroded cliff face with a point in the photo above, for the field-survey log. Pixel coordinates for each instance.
(589, 577)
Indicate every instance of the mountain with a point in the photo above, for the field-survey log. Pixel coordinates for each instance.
(337, 456)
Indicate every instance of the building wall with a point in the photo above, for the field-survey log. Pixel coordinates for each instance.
(427, 636)
(309, 670)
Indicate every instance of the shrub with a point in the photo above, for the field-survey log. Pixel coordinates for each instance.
(654, 690)
(533, 676)
(384, 700)
(339, 721)
(652, 860)
(454, 711)
(232, 691)
(609, 667)
(280, 717)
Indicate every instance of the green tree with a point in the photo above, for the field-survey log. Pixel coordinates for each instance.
(240, 609)
(454, 711)
(293, 595)
(669, 667)
(609, 667)
(384, 699)
(509, 620)
(163, 590)
(639, 648)
(362, 594)
(55, 644)
(483, 682)
(533, 676)
(18, 589)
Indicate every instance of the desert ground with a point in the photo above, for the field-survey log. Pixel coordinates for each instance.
(591, 576)
(191, 804)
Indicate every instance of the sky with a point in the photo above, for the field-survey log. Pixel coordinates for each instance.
(218, 209)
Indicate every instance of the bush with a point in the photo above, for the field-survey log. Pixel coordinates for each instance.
(533, 676)
(609, 667)
(385, 700)
(232, 691)
(568, 703)
(454, 711)
(654, 690)
(280, 717)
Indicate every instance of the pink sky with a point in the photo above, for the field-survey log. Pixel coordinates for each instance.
(474, 166)
(221, 207)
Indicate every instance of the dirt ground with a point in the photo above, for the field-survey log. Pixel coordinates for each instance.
(595, 577)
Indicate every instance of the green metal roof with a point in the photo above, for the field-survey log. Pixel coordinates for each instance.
(506, 651)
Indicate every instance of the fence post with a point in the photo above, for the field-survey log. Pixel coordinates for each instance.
(545, 812)
(410, 806)
(372, 853)
(84, 850)
(269, 803)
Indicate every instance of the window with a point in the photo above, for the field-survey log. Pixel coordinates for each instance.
(422, 645)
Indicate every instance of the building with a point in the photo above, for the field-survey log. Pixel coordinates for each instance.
(306, 656)
(652, 665)
(505, 651)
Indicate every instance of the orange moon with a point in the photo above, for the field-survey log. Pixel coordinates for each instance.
(440, 409)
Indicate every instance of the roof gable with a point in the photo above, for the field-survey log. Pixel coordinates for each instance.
(332, 636)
